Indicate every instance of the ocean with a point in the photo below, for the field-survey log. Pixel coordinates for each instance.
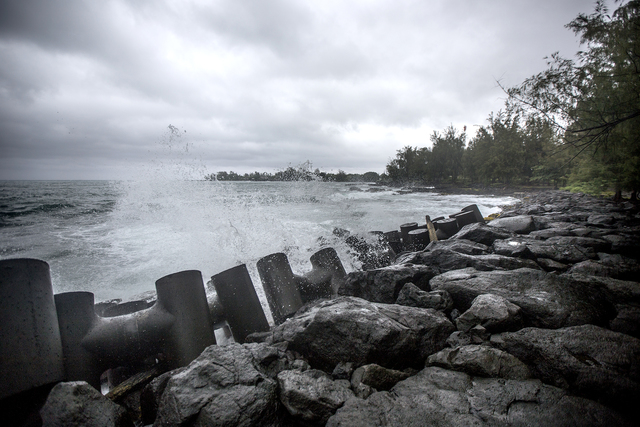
(116, 238)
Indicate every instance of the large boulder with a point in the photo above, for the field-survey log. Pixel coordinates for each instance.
(546, 300)
(443, 260)
(481, 360)
(76, 403)
(531, 248)
(384, 284)
(586, 360)
(598, 245)
(312, 395)
(493, 312)
(459, 245)
(222, 387)
(413, 296)
(521, 224)
(482, 233)
(440, 397)
(615, 266)
(627, 320)
(377, 377)
(618, 291)
(351, 329)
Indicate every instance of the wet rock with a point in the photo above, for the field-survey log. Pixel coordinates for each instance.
(384, 284)
(617, 291)
(623, 244)
(481, 360)
(601, 220)
(563, 253)
(437, 396)
(355, 330)
(462, 246)
(493, 312)
(513, 247)
(521, 224)
(412, 296)
(482, 233)
(76, 403)
(377, 377)
(586, 360)
(546, 300)
(443, 260)
(343, 371)
(598, 245)
(458, 339)
(627, 320)
(479, 334)
(220, 387)
(609, 265)
(547, 233)
(312, 395)
(151, 395)
(551, 265)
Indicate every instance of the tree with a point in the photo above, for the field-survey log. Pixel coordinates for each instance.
(410, 165)
(497, 151)
(446, 154)
(595, 100)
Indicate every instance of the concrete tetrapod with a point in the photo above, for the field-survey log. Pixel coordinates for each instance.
(177, 325)
(287, 292)
(30, 347)
(239, 303)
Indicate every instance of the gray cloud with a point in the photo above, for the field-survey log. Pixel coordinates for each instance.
(87, 89)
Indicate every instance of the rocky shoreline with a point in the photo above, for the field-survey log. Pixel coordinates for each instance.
(532, 319)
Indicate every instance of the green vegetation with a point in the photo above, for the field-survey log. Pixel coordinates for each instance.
(299, 173)
(576, 124)
(509, 150)
(594, 102)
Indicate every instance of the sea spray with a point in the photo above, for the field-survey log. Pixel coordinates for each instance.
(117, 238)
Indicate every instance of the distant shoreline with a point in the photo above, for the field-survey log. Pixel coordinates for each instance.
(445, 189)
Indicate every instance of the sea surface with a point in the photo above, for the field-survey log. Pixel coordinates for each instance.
(116, 238)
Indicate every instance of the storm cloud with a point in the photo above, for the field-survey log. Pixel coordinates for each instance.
(88, 89)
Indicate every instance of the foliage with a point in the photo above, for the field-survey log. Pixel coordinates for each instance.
(298, 173)
(446, 154)
(595, 100)
(505, 151)
(410, 165)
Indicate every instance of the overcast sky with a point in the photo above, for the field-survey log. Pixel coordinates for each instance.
(88, 89)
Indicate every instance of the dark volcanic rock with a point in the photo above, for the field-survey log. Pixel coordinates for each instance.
(521, 224)
(440, 397)
(493, 312)
(482, 233)
(615, 266)
(531, 248)
(459, 245)
(598, 245)
(377, 377)
(481, 360)
(514, 247)
(222, 387)
(627, 320)
(151, 395)
(358, 331)
(587, 360)
(312, 395)
(443, 260)
(412, 296)
(384, 284)
(76, 403)
(551, 265)
(546, 300)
